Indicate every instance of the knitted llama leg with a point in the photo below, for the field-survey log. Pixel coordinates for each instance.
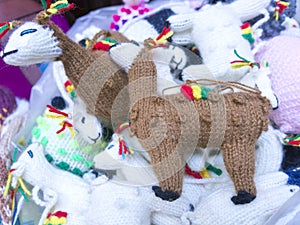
(239, 160)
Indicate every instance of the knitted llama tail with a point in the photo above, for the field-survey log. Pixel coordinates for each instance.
(156, 121)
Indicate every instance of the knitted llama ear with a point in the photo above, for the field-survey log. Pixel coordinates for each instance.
(52, 9)
(7, 26)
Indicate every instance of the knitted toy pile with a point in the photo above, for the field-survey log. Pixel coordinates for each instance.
(8, 104)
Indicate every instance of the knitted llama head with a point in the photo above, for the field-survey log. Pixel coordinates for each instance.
(31, 43)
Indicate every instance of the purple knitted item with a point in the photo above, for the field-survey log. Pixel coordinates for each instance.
(7, 104)
(283, 55)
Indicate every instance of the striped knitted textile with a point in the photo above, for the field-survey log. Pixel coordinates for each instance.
(170, 127)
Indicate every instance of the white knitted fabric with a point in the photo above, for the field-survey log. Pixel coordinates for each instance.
(33, 43)
(62, 190)
(218, 209)
(144, 28)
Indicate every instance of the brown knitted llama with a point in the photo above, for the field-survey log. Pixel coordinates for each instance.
(171, 127)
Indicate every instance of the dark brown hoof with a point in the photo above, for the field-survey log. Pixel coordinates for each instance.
(165, 195)
(243, 197)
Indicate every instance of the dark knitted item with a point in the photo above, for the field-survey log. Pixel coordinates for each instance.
(158, 20)
(232, 122)
(58, 102)
(212, 2)
(291, 157)
(7, 104)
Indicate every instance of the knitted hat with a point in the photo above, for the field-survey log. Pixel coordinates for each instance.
(166, 158)
(280, 52)
(7, 104)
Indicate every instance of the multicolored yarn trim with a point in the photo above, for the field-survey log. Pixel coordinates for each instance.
(70, 88)
(237, 64)
(20, 186)
(162, 39)
(5, 27)
(195, 91)
(247, 33)
(57, 7)
(280, 7)
(105, 44)
(203, 173)
(58, 218)
(60, 115)
(124, 148)
(292, 140)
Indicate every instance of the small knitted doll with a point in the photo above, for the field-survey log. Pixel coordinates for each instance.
(155, 121)
(132, 9)
(7, 104)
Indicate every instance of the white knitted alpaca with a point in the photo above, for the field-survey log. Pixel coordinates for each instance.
(216, 209)
(62, 191)
(68, 152)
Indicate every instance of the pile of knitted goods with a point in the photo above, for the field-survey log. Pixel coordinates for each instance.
(197, 134)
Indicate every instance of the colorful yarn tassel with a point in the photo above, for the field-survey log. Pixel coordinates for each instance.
(237, 64)
(247, 33)
(105, 44)
(70, 88)
(162, 39)
(280, 7)
(195, 92)
(58, 218)
(124, 148)
(5, 27)
(192, 173)
(292, 140)
(57, 7)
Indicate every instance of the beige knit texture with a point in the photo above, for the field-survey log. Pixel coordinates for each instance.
(97, 79)
(160, 123)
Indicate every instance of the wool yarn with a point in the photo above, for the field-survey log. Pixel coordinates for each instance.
(165, 157)
(216, 209)
(6, 212)
(7, 104)
(280, 52)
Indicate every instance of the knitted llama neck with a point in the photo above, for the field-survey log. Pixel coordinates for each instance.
(76, 59)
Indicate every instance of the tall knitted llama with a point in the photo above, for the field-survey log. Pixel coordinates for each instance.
(97, 79)
(170, 127)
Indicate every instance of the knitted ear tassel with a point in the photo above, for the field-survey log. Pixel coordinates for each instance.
(6, 26)
(52, 9)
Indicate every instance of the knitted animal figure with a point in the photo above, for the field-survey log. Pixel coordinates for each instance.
(6, 212)
(42, 41)
(132, 9)
(71, 137)
(82, 203)
(161, 122)
(279, 52)
(8, 104)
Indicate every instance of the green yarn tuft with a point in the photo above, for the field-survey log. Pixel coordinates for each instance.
(61, 151)
(77, 171)
(63, 165)
(77, 158)
(44, 141)
(49, 158)
(36, 132)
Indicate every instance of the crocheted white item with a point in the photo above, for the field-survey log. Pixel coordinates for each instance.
(62, 190)
(216, 209)
(216, 40)
(30, 44)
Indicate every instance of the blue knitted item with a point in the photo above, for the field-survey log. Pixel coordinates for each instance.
(294, 176)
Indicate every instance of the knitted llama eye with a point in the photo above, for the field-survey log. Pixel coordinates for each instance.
(83, 120)
(30, 153)
(29, 31)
